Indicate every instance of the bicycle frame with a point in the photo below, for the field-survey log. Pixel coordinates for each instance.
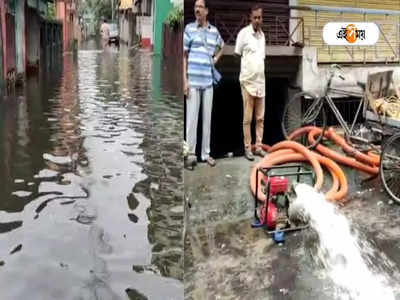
(348, 130)
(326, 98)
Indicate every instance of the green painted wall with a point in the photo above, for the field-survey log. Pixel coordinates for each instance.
(19, 18)
(161, 10)
(156, 77)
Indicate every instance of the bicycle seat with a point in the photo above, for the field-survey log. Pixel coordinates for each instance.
(361, 85)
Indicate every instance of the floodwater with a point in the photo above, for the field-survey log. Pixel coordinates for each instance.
(91, 181)
(352, 254)
(342, 252)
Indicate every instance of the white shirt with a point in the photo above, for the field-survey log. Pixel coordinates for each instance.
(251, 46)
(105, 31)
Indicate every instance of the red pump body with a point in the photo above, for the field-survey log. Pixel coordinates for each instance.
(276, 185)
(270, 221)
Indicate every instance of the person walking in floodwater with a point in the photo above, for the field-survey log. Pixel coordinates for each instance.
(105, 33)
(203, 46)
(250, 45)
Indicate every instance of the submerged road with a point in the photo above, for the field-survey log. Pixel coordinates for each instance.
(247, 264)
(91, 182)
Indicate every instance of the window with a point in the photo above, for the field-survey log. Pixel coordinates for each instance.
(143, 7)
(10, 7)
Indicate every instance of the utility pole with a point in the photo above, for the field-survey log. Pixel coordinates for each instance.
(112, 10)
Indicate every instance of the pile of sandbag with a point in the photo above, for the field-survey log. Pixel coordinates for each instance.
(387, 106)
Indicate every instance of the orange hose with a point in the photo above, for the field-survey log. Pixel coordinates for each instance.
(351, 150)
(369, 168)
(335, 183)
(338, 157)
(333, 194)
(376, 157)
(301, 131)
(308, 154)
(263, 146)
(338, 177)
(290, 151)
(269, 163)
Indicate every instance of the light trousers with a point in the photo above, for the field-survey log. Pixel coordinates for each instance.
(193, 101)
(250, 104)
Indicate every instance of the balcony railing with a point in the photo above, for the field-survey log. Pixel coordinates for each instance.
(386, 50)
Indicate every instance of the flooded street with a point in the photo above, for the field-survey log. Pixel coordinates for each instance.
(91, 182)
(352, 253)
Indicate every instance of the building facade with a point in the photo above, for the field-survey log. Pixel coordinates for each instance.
(25, 32)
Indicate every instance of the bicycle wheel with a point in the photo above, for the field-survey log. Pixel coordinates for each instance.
(389, 167)
(304, 109)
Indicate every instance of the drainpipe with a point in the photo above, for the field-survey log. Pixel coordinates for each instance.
(112, 10)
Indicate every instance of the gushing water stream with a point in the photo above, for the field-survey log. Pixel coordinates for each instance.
(340, 249)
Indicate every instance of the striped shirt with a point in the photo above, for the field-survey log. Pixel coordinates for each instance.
(199, 61)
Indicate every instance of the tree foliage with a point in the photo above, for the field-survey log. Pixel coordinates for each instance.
(51, 11)
(99, 8)
(175, 17)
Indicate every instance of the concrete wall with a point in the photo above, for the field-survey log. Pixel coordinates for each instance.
(68, 25)
(387, 47)
(20, 37)
(33, 39)
(127, 27)
(313, 76)
(8, 34)
(144, 28)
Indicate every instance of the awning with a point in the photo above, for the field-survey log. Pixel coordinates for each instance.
(125, 4)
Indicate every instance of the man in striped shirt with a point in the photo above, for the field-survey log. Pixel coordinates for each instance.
(203, 46)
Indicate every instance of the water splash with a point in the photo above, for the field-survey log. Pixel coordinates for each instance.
(340, 250)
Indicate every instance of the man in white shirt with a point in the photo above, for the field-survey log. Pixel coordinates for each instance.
(105, 33)
(250, 45)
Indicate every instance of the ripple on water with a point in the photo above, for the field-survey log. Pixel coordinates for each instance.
(46, 173)
(60, 160)
(80, 108)
(22, 194)
(177, 209)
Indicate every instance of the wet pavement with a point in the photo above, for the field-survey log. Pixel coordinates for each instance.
(91, 181)
(245, 263)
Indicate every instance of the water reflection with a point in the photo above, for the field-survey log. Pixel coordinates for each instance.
(90, 165)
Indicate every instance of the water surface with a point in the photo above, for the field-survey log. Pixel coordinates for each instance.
(91, 183)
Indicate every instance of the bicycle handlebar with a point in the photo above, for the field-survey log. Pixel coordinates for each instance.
(336, 66)
(333, 73)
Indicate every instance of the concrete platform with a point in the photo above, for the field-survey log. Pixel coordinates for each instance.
(226, 259)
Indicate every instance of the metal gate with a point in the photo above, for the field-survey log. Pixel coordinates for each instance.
(231, 16)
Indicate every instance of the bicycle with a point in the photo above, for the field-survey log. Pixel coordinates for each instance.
(305, 109)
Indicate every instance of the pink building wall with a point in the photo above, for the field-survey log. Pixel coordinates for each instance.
(8, 37)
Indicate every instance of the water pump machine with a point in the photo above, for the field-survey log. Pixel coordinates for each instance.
(273, 214)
